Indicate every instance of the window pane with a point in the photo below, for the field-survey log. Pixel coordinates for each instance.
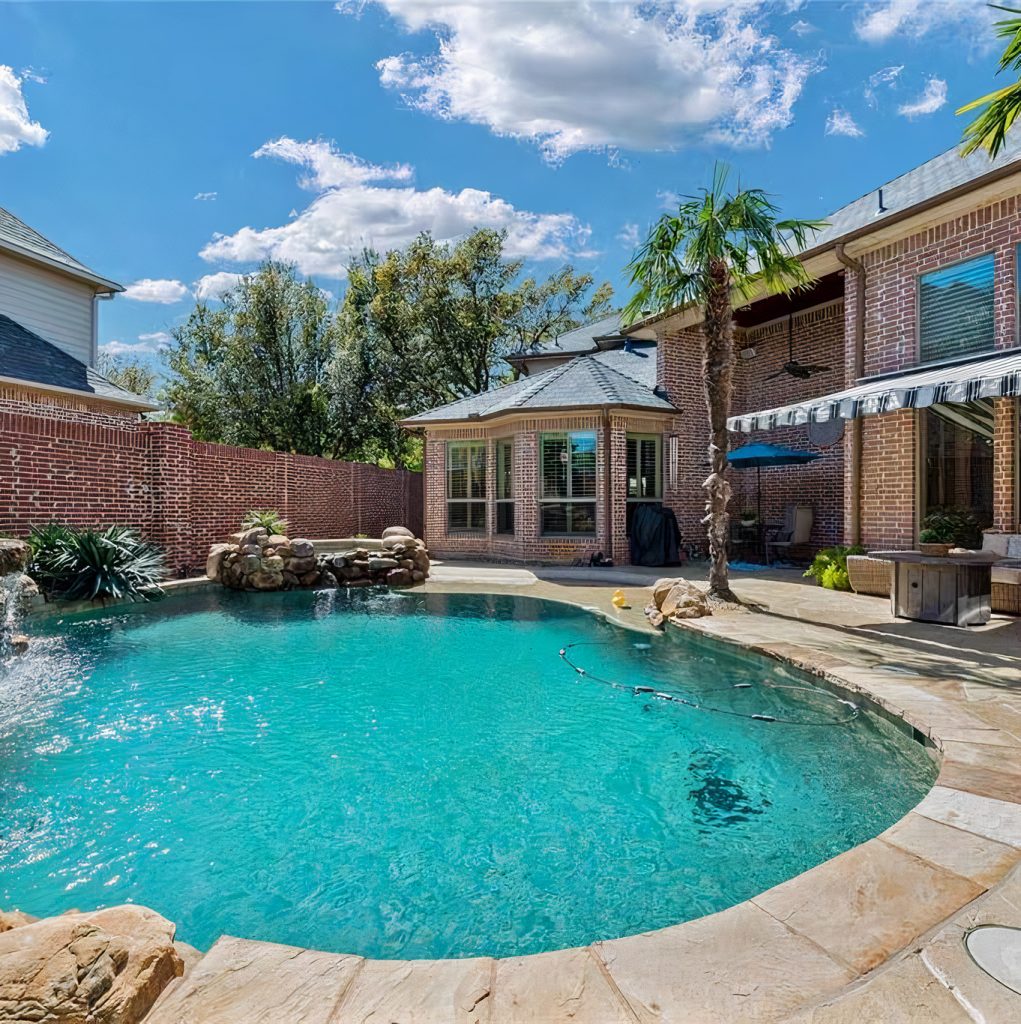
(505, 517)
(457, 471)
(553, 518)
(505, 469)
(648, 466)
(583, 518)
(583, 465)
(554, 465)
(959, 459)
(477, 515)
(632, 467)
(478, 471)
(955, 310)
(457, 516)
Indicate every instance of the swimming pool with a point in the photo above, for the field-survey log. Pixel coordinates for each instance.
(410, 775)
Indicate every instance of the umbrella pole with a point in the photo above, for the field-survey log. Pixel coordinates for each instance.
(758, 509)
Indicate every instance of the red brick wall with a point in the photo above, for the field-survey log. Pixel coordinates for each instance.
(97, 467)
(890, 508)
(818, 337)
(527, 544)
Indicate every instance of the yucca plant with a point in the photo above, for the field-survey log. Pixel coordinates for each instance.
(74, 564)
(270, 520)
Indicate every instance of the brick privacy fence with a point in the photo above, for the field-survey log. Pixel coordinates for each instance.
(93, 468)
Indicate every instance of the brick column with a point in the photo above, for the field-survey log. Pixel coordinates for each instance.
(618, 546)
(889, 502)
(170, 471)
(1005, 465)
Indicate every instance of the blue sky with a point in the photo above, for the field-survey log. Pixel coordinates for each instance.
(170, 145)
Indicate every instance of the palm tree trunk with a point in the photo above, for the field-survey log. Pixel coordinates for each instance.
(717, 373)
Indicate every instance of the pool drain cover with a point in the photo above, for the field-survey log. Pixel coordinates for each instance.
(997, 950)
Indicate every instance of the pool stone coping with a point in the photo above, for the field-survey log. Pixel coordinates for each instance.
(873, 933)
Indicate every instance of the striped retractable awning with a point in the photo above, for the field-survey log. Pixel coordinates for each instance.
(997, 376)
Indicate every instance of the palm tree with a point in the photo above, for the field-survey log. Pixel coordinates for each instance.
(989, 130)
(716, 245)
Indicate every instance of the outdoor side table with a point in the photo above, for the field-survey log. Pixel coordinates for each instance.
(955, 590)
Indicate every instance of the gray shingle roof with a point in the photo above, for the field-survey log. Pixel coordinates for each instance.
(941, 174)
(625, 376)
(16, 234)
(581, 339)
(25, 356)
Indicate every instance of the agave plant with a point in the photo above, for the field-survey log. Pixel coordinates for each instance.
(73, 564)
(270, 520)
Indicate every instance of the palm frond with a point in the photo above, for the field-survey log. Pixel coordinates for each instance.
(999, 109)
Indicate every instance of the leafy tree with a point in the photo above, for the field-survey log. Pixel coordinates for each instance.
(718, 243)
(433, 322)
(130, 374)
(255, 371)
(1000, 108)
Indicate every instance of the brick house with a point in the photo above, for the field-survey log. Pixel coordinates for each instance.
(911, 327)
(49, 330)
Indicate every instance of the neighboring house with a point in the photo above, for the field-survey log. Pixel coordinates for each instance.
(48, 327)
(597, 336)
(913, 322)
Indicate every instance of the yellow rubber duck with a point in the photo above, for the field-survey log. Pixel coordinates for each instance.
(619, 600)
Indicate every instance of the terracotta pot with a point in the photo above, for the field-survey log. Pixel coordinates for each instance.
(937, 550)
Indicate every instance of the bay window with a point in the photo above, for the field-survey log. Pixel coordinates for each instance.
(505, 486)
(567, 492)
(466, 486)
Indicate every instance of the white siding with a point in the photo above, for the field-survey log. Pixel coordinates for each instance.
(55, 307)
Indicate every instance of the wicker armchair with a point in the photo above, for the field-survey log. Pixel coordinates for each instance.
(870, 575)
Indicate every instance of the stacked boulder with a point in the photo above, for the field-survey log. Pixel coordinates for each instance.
(258, 560)
(403, 562)
(676, 599)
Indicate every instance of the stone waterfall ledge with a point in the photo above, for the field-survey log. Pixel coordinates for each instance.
(255, 560)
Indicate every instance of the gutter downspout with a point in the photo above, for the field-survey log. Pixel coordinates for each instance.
(858, 370)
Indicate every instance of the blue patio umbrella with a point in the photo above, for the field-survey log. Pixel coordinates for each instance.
(759, 455)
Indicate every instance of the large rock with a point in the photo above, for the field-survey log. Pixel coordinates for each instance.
(14, 919)
(14, 556)
(397, 531)
(302, 548)
(256, 535)
(677, 599)
(106, 967)
(398, 578)
(381, 563)
(214, 561)
(262, 580)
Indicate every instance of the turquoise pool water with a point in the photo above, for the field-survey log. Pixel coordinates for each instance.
(417, 776)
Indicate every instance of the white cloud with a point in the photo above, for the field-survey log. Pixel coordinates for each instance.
(213, 286)
(161, 291)
(599, 76)
(933, 96)
(115, 348)
(803, 28)
(840, 122)
(156, 339)
(206, 197)
(328, 167)
(878, 79)
(879, 22)
(16, 128)
(345, 218)
(628, 236)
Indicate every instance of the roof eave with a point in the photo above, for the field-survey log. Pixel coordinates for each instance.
(949, 195)
(101, 284)
(139, 405)
(413, 424)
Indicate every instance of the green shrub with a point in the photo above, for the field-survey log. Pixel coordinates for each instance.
(829, 566)
(271, 521)
(73, 565)
(951, 525)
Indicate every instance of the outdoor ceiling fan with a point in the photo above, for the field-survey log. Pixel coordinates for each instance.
(792, 368)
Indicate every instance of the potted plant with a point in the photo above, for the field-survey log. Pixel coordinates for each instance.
(946, 528)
